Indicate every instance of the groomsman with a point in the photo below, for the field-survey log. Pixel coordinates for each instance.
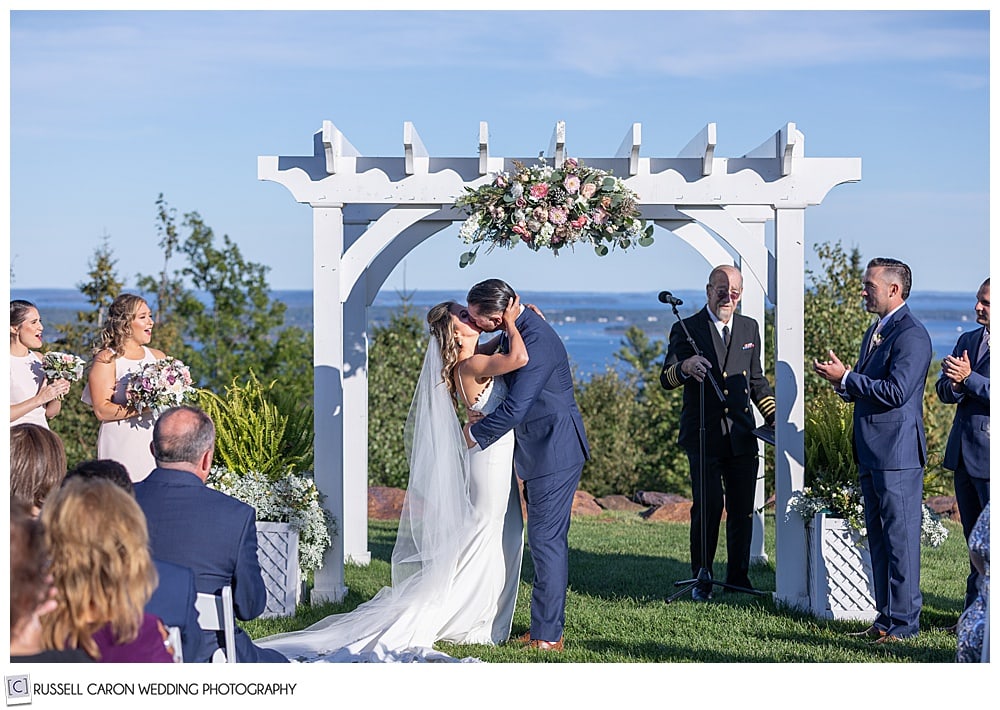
(965, 381)
(887, 387)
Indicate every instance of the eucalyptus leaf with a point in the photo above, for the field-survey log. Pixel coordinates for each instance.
(466, 259)
(601, 250)
(645, 241)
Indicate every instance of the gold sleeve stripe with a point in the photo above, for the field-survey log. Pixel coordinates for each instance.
(672, 374)
(767, 405)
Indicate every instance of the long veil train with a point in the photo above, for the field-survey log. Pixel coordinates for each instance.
(401, 622)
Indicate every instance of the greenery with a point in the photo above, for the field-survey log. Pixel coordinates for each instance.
(621, 571)
(261, 429)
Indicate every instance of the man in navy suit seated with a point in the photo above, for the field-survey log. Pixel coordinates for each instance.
(173, 600)
(887, 388)
(197, 527)
(965, 381)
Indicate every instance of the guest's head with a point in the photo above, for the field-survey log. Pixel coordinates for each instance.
(184, 439)
(101, 565)
(30, 583)
(724, 291)
(108, 469)
(129, 320)
(487, 301)
(25, 327)
(887, 285)
(37, 463)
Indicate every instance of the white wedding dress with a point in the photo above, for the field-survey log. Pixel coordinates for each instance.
(457, 559)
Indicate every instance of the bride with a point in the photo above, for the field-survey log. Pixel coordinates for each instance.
(457, 559)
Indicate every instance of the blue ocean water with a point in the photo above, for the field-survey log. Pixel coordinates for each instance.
(591, 324)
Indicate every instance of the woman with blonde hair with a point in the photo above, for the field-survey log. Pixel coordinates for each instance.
(121, 350)
(457, 559)
(33, 398)
(103, 574)
(37, 464)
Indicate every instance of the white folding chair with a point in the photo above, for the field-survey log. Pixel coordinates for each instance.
(215, 613)
(174, 639)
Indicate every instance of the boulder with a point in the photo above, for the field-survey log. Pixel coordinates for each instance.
(945, 506)
(618, 502)
(385, 503)
(585, 504)
(674, 509)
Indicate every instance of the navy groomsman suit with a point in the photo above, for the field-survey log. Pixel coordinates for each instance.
(968, 450)
(887, 387)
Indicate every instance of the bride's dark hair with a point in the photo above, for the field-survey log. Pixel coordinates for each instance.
(443, 329)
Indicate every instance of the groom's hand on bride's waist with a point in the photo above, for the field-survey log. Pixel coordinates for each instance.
(467, 430)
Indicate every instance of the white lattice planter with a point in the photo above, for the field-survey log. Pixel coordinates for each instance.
(840, 571)
(278, 554)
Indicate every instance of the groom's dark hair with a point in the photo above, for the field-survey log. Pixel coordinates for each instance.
(491, 295)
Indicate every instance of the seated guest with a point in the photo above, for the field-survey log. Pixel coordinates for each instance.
(173, 599)
(195, 526)
(31, 592)
(103, 574)
(37, 464)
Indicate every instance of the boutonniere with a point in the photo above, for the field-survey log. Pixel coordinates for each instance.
(877, 339)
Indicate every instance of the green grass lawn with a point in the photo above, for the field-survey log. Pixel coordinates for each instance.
(623, 568)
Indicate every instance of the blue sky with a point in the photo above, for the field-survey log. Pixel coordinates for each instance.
(110, 109)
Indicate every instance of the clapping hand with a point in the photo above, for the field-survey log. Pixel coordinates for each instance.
(957, 369)
(53, 390)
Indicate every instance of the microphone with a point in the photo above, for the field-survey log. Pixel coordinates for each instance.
(669, 299)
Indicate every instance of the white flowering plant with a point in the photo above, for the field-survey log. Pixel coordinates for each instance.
(160, 385)
(292, 499)
(545, 207)
(62, 366)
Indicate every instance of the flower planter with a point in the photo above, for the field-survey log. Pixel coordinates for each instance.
(840, 571)
(278, 554)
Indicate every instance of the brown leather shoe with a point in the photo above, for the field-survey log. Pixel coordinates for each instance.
(522, 640)
(887, 638)
(872, 632)
(541, 645)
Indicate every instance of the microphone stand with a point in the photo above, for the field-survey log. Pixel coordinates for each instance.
(704, 575)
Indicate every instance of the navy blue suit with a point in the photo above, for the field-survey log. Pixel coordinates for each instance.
(887, 387)
(173, 601)
(968, 450)
(550, 448)
(215, 536)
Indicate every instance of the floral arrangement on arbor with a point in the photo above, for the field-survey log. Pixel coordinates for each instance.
(159, 385)
(292, 499)
(549, 208)
(62, 366)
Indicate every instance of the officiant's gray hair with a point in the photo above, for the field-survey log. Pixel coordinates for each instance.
(490, 296)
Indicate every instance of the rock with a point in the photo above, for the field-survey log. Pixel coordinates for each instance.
(648, 498)
(385, 503)
(676, 509)
(618, 502)
(585, 504)
(945, 506)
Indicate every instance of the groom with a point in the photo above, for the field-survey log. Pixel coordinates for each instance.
(550, 447)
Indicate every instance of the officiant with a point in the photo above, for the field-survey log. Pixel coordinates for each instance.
(730, 347)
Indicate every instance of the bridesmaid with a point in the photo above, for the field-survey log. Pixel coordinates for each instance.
(121, 349)
(33, 400)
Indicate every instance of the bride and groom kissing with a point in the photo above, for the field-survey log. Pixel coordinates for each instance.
(457, 558)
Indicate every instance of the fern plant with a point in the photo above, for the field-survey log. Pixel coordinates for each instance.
(260, 429)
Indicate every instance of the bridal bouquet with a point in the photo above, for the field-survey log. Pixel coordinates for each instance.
(548, 208)
(159, 385)
(62, 366)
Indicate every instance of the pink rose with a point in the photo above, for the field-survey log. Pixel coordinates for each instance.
(572, 162)
(521, 202)
(572, 184)
(579, 221)
(588, 189)
(557, 215)
(599, 216)
(539, 190)
(520, 229)
(501, 181)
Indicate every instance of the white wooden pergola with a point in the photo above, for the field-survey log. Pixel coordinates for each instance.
(370, 212)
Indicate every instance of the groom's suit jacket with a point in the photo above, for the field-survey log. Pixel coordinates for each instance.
(539, 407)
(970, 432)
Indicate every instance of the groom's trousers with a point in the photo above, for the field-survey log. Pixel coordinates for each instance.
(549, 502)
